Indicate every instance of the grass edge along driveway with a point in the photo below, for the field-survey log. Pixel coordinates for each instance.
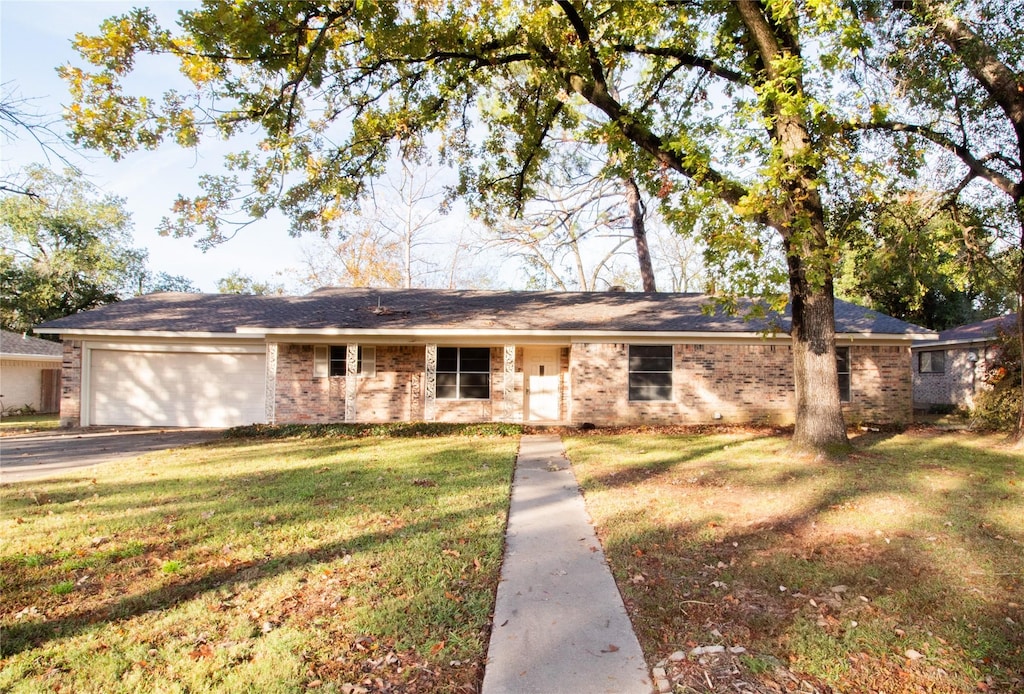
(899, 569)
(259, 564)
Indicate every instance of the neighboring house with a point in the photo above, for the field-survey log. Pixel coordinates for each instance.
(949, 371)
(29, 373)
(378, 355)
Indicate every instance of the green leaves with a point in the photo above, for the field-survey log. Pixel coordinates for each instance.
(64, 251)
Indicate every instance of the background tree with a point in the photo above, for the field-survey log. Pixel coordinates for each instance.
(959, 66)
(918, 261)
(575, 226)
(718, 98)
(19, 118)
(63, 250)
(238, 283)
(368, 256)
(165, 282)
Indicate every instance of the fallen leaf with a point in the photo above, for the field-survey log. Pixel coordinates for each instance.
(611, 648)
(912, 654)
(203, 651)
(437, 648)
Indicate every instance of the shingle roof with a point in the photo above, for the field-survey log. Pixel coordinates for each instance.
(428, 309)
(980, 331)
(22, 345)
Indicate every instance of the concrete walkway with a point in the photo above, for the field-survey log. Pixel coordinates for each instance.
(559, 621)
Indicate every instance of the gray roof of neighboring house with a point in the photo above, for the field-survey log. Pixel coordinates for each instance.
(982, 331)
(429, 309)
(24, 346)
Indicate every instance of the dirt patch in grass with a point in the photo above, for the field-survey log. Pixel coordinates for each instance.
(258, 565)
(744, 568)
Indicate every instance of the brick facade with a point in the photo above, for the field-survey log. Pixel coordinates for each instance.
(730, 383)
(959, 382)
(71, 384)
(881, 387)
(727, 383)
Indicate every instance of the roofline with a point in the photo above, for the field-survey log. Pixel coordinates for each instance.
(929, 344)
(31, 357)
(100, 332)
(568, 334)
(249, 333)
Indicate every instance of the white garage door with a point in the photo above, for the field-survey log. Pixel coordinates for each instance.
(179, 389)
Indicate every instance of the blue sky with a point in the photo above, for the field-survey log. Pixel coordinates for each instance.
(35, 38)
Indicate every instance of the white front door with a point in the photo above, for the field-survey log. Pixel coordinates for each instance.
(542, 381)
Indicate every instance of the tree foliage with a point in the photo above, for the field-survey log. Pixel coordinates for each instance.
(239, 283)
(63, 250)
(919, 261)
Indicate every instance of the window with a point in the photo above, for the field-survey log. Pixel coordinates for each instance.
(339, 360)
(463, 373)
(933, 362)
(843, 367)
(333, 360)
(650, 372)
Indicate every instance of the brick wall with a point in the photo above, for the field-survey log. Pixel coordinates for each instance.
(732, 384)
(298, 397)
(711, 383)
(71, 384)
(395, 392)
(881, 386)
(958, 384)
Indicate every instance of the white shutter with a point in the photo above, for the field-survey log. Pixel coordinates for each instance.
(321, 361)
(369, 362)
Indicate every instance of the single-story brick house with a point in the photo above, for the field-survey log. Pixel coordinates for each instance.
(29, 373)
(378, 355)
(950, 370)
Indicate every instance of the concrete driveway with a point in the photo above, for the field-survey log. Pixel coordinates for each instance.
(48, 454)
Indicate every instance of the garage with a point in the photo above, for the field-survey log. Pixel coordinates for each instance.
(184, 388)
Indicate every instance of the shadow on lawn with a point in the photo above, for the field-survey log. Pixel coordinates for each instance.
(922, 528)
(377, 506)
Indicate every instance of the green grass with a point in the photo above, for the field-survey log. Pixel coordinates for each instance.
(28, 423)
(271, 564)
(837, 569)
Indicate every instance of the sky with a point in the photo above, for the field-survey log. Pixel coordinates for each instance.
(35, 38)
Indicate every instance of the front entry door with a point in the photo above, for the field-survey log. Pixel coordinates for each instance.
(542, 392)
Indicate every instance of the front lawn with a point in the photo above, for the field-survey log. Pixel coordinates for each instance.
(28, 423)
(258, 565)
(900, 569)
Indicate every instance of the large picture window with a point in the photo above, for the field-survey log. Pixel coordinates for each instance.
(933, 362)
(463, 373)
(650, 372)
(843, 368)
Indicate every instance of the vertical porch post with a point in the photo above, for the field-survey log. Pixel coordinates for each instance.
(430, 391)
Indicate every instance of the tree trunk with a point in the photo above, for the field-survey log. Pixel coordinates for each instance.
(819, 414)
(636, 217)
(1018, 431)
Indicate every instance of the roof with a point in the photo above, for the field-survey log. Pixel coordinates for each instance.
(982, 331)
(424, 310)
(18, 346)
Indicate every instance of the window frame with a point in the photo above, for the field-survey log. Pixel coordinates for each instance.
(635, 375)
(845, 377)
(452, 385)
(931, 361)
(331, 361)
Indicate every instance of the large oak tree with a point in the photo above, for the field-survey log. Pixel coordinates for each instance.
(732, 100)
